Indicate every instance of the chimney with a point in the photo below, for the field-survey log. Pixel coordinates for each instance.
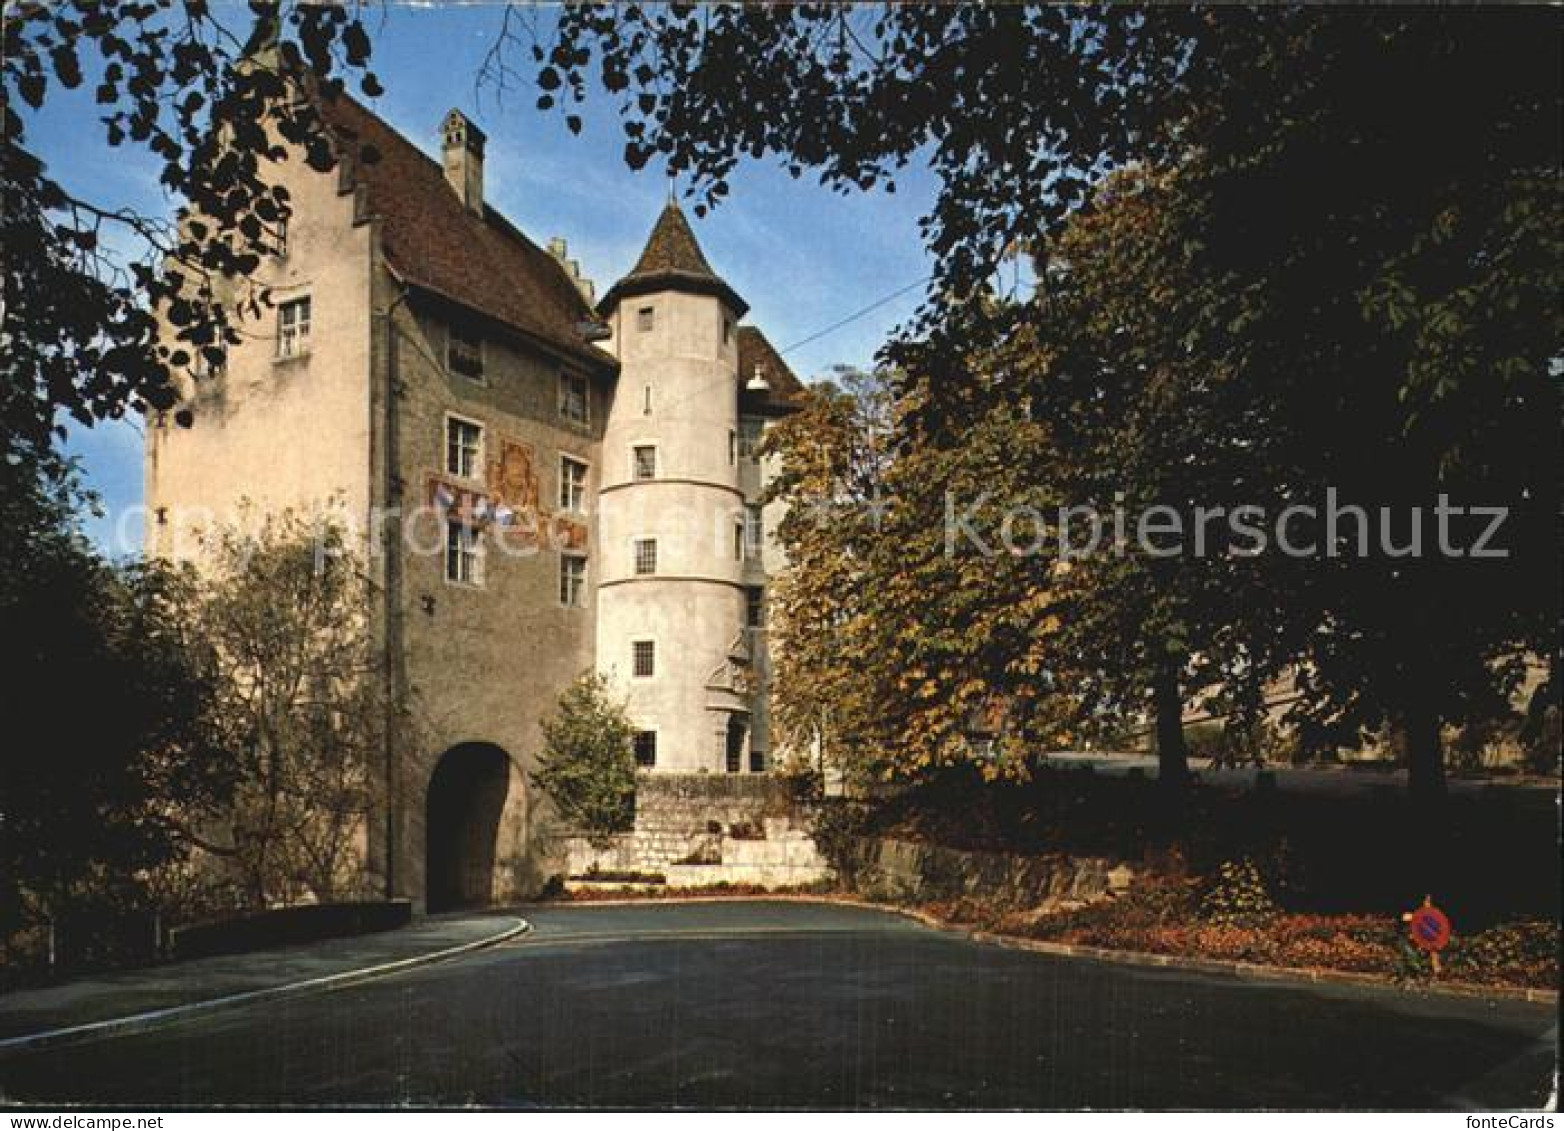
(560, 251)
(462, 156)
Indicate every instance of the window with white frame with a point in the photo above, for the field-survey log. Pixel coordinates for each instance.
(572, 581)
(754, 531)
(645, 318)
(751, 429)
(463, 448)
(645, 746)
(293, 328)
(574, 397)
(463, 554)
(645, 556)
(464, 352)
(572, 485)
(643, 658)
(643, 461)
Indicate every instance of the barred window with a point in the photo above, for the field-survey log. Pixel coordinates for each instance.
(643, 655)
(645, 555)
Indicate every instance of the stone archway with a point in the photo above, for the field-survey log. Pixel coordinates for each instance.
(466, 797)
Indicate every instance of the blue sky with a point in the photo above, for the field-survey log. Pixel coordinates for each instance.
(803, 256)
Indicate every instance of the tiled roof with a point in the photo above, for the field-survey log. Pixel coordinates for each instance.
(435, 243)
(756, 352)
(673, 261)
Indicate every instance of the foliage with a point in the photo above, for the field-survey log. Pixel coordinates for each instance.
(301, 706)
(208, 101)
(587, 767)
(107, 714)
(1237, 896)
(836, 826)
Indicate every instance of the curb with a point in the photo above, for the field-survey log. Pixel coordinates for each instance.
(153, 1019)
(1248, 970)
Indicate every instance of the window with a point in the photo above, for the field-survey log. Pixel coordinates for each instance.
(757, 761)
(644, 461)
(643, 655)
(645, 744)
(293, 328)
(750, 432)
(647, 397)
(733, 447)
(463, 554)
(464, 353)
(574, 397)
(645, 555)
(754, 531)
(280, 244)
(755, 607)
(738, 541)
(572, 485)
(727, 330)
(645, 318)
(463, 448)
(572, 581)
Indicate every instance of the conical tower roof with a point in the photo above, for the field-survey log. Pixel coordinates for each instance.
(672, 261)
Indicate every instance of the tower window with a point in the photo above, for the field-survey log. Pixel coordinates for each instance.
(574, 398)
(750, 432)
(463, 554)
(645, 318)
(572, 485)
(643, 657)
(464, 353)
(754, 531)
(293, 328)
(645, 555)
(738, 541)
(572, 581)
(733, 447)
(644, 461)
(755, 607)
(727, 330)
(463, 448)
(645, 744)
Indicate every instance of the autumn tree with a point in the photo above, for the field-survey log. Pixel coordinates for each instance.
(301, 707)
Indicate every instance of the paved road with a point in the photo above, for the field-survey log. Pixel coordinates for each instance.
(791, 1005)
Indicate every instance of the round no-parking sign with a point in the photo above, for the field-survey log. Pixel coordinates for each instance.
(1429, 927)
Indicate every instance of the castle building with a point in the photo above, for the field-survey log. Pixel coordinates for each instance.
(544, 485)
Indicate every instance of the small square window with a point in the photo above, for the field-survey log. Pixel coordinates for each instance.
(757, 761)
(644, 461)
(463, 448)
(463, 554)
(644, 658)
(572, 581)
(645, 743)
(293, 328)
(645, 556)
(645, 318)
(572, 485)
(574, 398)
(464, 353)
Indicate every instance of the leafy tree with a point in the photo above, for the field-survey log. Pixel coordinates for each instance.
(587, 767)
(301, 706)
(110, 755)
(178, 79)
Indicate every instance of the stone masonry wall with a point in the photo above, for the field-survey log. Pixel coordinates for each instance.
(904, 871)
(695, 830)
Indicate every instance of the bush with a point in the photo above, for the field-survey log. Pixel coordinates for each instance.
(1237, 896)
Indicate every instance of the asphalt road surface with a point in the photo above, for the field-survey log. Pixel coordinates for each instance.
(795, 1005)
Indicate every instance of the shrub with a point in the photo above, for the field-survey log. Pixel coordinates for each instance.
(588, 768)
(1237, 896)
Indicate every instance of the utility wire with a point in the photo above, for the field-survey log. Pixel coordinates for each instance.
(835, 326)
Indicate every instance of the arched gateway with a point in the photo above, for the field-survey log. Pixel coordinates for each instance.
(467, 795)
